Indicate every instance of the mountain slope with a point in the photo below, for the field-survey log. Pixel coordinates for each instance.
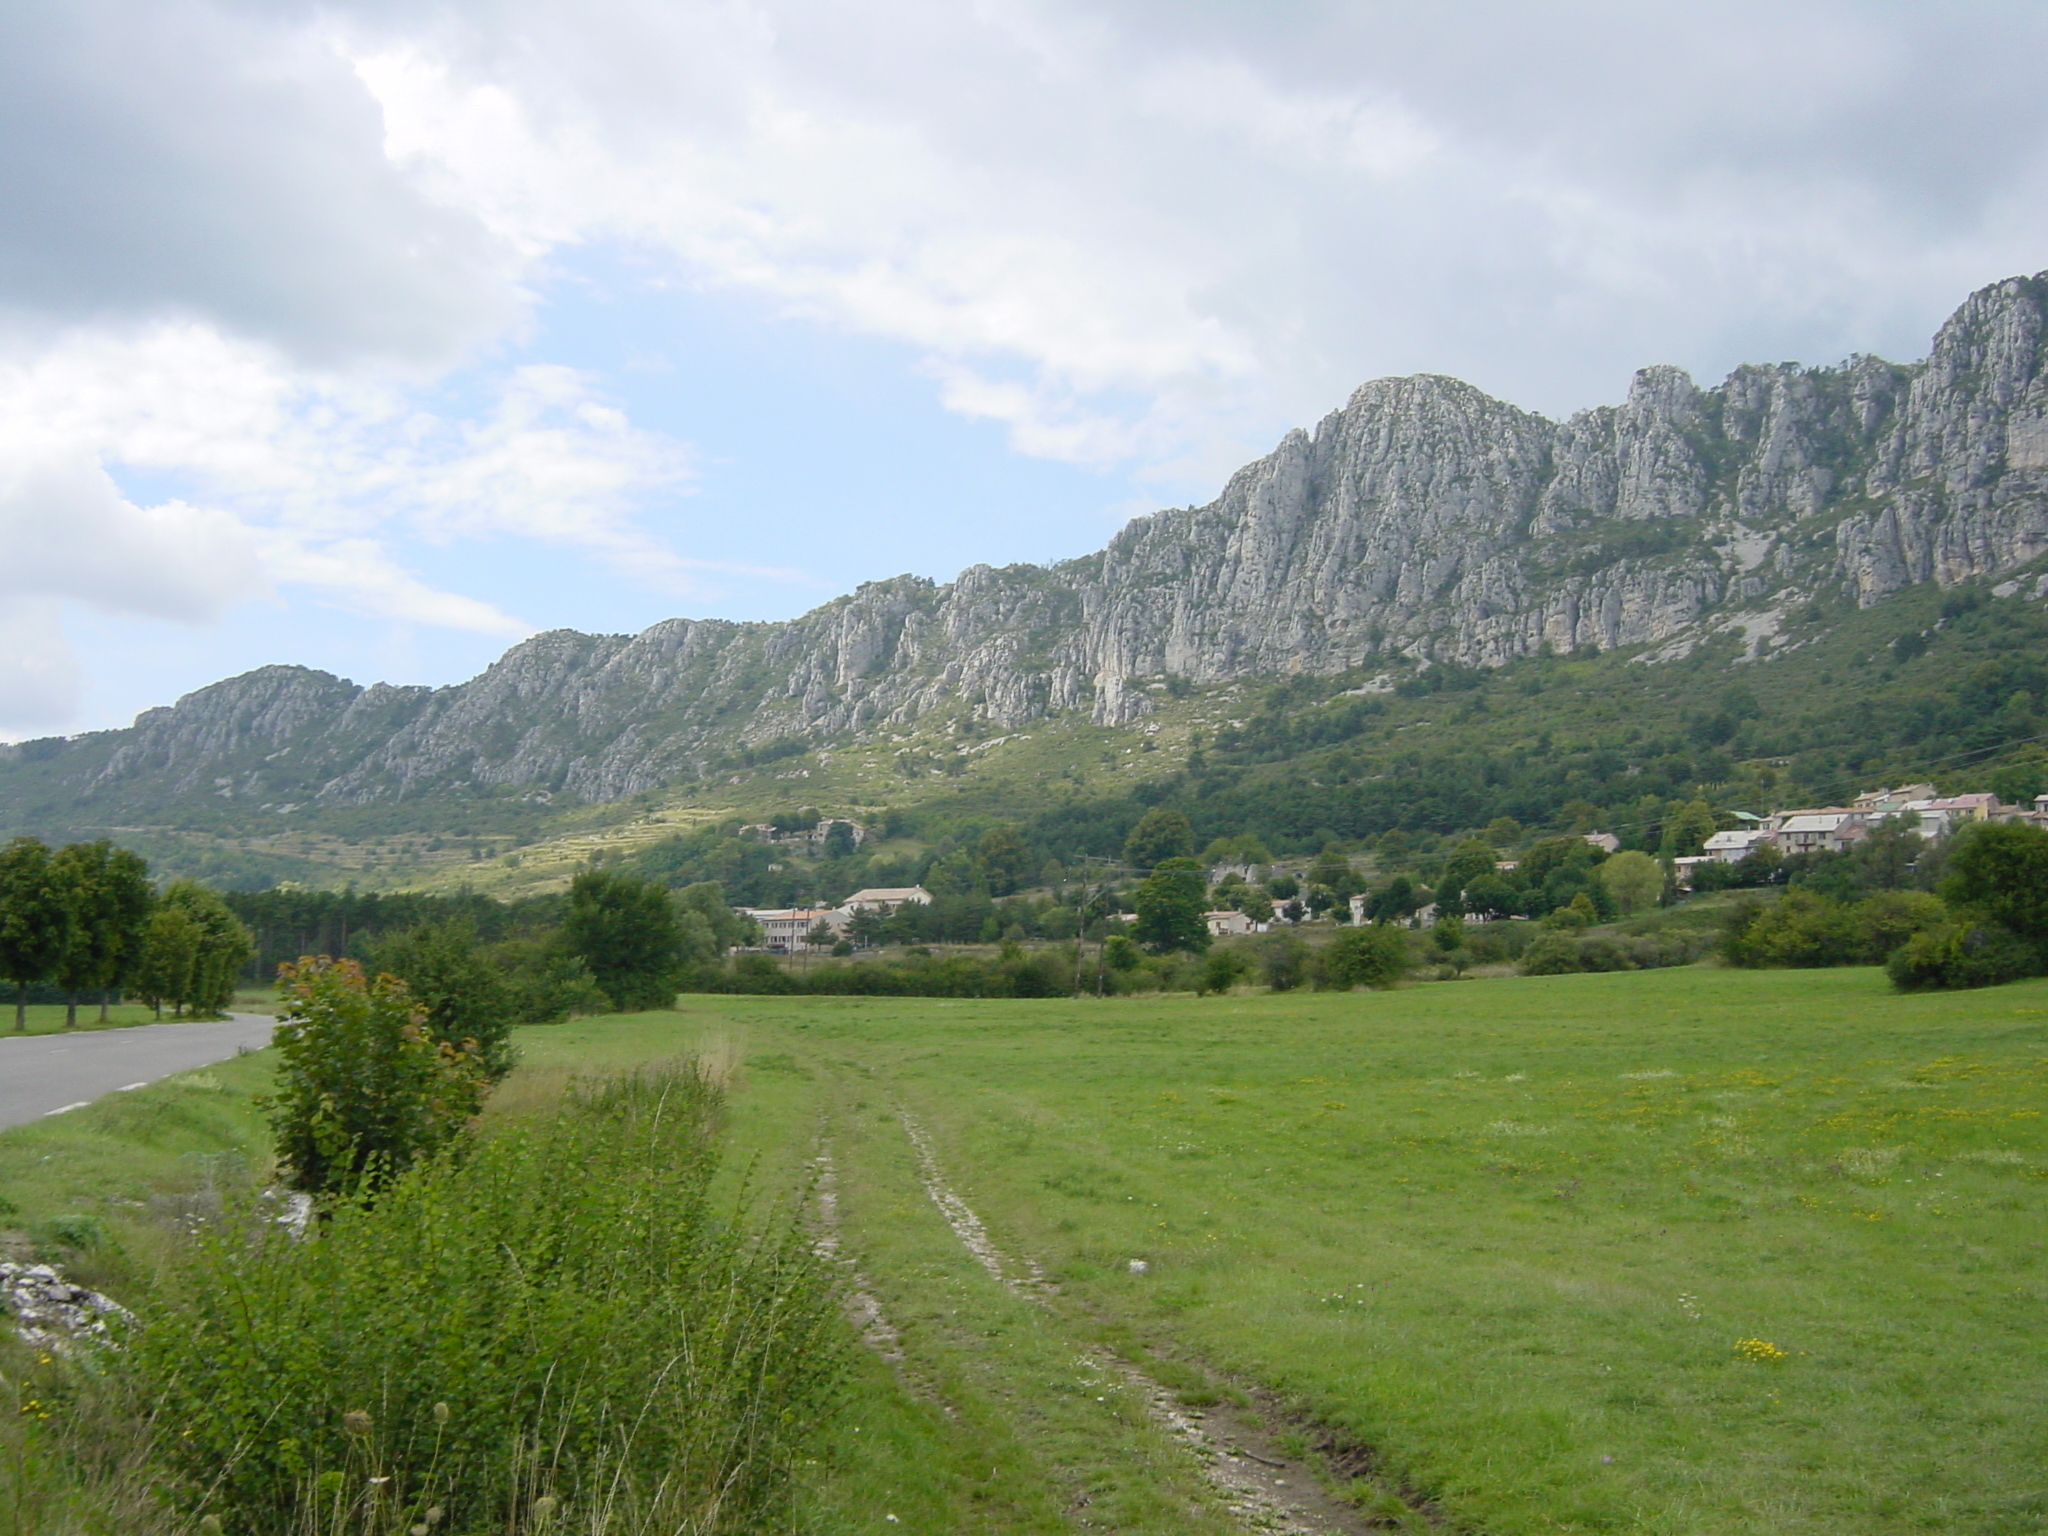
(1423, 520)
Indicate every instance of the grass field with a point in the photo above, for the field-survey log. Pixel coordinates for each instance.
(1691, 1251)
(1510, 1236)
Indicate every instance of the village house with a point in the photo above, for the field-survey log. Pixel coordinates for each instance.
(810, 840)
(787, 930)
(1229, 925)
(885, 899)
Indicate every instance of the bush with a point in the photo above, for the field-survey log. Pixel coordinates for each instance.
(1372, 956)
(1282, 960)
(1962, 954)
(1566, 954)
(1220, 970)
(363, 1090)
(491, 1334)
(1806, 929)
(1800, 929)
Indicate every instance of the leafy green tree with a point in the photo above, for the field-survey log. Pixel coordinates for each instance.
(218, 947)
(1334, 872)
(1687, 826)
(462, 995)
(1471, 860)
(839, 843)
(1634, 880)
(1119, 953)
(1998, 872)
(169, 958)
(1370, 956)
(726, 927)
(1170, 904)
(1397, 902)
(1449, 933)
(1256, 905)
(1005, 859)
(363, 1088)
(629, 933)
(35, 920)
(1161, 834)
(1492, 896)
(107, 889)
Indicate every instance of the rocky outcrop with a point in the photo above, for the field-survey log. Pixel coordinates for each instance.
(1423, 519)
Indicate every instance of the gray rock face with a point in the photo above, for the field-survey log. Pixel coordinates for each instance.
(1422, 519)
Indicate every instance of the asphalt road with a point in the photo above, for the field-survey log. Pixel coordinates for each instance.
(47, 1074)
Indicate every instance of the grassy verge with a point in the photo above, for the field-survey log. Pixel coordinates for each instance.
(1513, 1237)
(100, 1188)
(48, 1018)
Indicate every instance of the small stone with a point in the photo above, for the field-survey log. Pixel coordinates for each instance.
(1138, 1267)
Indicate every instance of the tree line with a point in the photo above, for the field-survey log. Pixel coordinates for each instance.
(85, 918)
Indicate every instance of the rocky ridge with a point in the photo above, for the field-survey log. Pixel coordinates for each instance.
(1422, 519)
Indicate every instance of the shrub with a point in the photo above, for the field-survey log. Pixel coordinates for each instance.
(1283, 961)
(363, 1090)
(1806, 928)
(1800, 929)
(1220, 970)
(1962, 954)
(1564, 954)
(491, 1334)
(1372, 956)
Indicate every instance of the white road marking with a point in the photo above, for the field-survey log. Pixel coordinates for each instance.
(67, 1108)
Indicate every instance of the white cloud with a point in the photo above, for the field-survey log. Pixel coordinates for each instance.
(1146, 233)
(288, 480)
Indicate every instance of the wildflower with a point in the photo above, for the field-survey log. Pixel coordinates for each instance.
(1762, 1351)
(544, 1508)
(434, 1516)
(440, 1413)
(209, 1525)
(356, 1422)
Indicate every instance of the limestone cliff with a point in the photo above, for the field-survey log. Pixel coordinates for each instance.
(1422, 519)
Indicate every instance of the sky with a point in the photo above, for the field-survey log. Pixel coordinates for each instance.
(375, 337)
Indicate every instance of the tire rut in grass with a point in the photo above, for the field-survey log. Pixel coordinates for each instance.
(1263, 1492)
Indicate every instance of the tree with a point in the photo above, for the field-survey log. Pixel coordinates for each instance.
(107, 889)
(1333, 871)
(1687, 826)
(1161, 834)
(1005, 859)
(170, 955)
(726, 927)
(1634, 880)
(218, 947)
(1492, 896)
(839, 843)
(460, 993)
(363, 1089)
(1371, 956)
(35, 920)
(1170, 904)
(1256, 905)
(1471, 860)
(1998, 871)
(627, 931)
(1398, 902)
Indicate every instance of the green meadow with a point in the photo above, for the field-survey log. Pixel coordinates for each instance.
(1690, 1251)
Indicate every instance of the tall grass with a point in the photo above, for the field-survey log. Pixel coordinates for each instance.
(555, 1332)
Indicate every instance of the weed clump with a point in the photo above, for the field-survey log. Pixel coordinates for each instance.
(557, 1320)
